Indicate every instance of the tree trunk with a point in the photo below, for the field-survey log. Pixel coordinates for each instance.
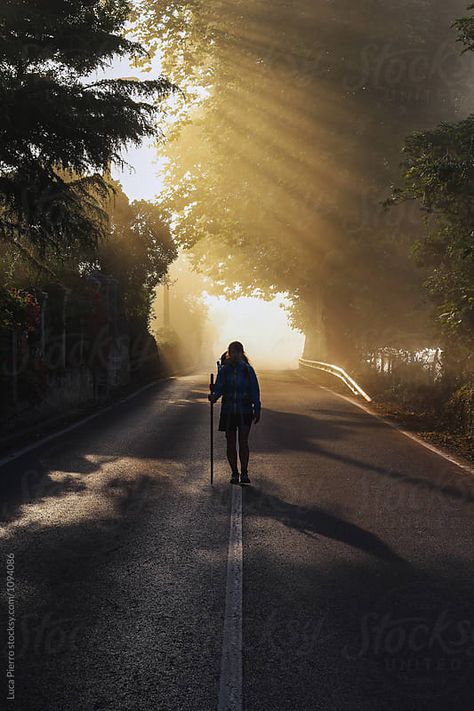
(315, 346)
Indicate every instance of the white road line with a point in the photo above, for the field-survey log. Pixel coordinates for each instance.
(24, 450)
(450, 458)
(230, 686)
(465, 466)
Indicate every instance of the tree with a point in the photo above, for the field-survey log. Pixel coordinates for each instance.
(137, 251)
(438, 174)
(61, 129)
(277, 181)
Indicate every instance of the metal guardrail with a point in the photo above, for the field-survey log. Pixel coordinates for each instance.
(338, 373)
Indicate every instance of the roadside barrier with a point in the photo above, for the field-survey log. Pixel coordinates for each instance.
(338, 373)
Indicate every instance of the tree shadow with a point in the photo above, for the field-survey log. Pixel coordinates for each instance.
(343, 632)
(137, 433)
(107, 590)
(302, 433)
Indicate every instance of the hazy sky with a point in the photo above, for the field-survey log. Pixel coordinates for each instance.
(143, 179)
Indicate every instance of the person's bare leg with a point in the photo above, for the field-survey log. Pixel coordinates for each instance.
(231, 436)
(244, 452)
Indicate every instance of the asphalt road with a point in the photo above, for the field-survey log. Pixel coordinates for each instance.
(357, 579)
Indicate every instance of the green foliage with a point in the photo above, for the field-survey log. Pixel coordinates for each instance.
(438, 173)
(18, 310)
(276, 181)
(60, 129)
(465, 30)
(460, 409)
(137, 251)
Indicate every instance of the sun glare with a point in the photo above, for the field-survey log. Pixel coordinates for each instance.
(262, 326)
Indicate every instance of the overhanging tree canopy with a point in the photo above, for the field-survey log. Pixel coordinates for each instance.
(60, 128)
(438, 174)
(277, 183)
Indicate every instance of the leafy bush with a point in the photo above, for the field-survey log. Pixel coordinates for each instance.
(460, 409)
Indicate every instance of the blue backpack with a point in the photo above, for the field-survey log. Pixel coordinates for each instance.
(247, 398)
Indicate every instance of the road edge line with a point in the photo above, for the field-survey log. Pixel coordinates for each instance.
(230, 683)
(7, 459)
(464, 465)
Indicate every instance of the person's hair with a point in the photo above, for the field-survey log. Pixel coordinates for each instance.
(235, 345)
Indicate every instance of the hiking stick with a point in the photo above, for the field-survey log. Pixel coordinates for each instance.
(211, 388)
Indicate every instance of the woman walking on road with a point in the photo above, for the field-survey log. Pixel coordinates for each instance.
(238, 384)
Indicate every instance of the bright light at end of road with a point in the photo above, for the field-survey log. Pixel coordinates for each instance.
(262, 327)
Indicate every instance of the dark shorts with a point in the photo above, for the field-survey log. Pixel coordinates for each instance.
(231, 421)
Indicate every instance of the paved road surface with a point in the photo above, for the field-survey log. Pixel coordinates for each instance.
(357, 578)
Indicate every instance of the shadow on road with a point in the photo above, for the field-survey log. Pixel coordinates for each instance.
(304, 433)
(355, 637)
(128, 432)
(316, 522)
